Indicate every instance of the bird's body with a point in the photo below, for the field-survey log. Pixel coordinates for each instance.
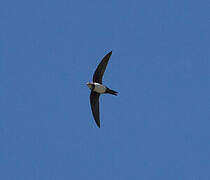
(98, 88)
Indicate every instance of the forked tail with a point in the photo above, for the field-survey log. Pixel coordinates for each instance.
(110, 91)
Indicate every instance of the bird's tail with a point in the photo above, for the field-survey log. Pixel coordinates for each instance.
(110, 91)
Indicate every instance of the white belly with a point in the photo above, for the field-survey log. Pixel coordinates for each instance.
(99, 88)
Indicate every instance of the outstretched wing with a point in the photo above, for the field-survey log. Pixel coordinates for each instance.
(98, 74)
(94, 102)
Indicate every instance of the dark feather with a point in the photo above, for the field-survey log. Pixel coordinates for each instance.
(94, 102)
(98, 75)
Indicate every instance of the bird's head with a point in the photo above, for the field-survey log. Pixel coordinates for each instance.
(90, 85)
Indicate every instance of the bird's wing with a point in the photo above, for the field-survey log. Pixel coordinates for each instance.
(94, 102)
(98, 74)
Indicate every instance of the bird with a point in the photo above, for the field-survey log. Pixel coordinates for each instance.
(97, 88)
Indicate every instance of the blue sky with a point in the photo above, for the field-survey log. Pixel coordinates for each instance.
(158, 126)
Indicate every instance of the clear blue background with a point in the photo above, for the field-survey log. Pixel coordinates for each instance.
(159, 125)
